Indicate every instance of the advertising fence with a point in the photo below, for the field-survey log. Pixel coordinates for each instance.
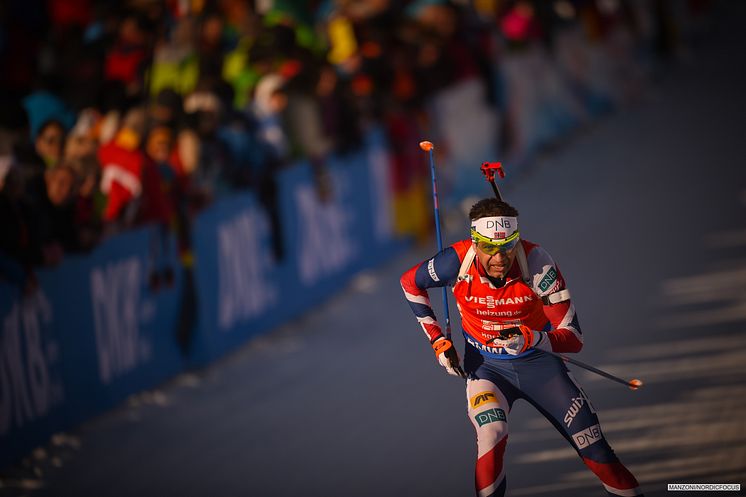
(99, 330)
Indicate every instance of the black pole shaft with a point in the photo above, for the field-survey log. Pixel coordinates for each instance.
(494, 189)
(588, 367)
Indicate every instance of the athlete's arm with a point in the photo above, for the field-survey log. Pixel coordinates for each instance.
(439, 271)
(548, 283)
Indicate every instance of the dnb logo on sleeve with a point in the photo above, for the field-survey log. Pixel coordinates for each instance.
(548, 279)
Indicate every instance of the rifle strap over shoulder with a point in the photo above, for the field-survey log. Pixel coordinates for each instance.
(463, 272)
(523, 263)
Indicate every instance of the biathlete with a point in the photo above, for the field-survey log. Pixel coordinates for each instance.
(513, 303)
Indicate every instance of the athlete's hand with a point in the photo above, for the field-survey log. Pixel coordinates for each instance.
(522, 339)
(448, 357)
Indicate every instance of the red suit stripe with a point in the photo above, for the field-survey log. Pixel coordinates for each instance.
(490, 466)
(614, 475)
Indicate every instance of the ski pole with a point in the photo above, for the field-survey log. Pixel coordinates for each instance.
(633, 384)
(489, 169)
(428, 147)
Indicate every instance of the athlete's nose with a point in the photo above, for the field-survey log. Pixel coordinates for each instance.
(500, 257)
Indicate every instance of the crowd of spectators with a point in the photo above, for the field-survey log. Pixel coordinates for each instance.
(118, 114)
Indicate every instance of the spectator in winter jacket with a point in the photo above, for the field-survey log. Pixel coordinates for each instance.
(175, 63)
(52, 227)
(125, 61)
(158, 178)
(270, 100)
(122, 163)
(89, 202)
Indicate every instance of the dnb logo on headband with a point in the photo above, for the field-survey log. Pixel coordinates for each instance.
(495, 228)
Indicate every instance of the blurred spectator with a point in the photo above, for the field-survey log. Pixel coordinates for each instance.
(49, 141)
(203, 109)
(158, 197)
(17, 250)
(186, 161)
(158, 202)
(125, 61)
(232, 91)
(82, 141)
(14, 237)
(60, 184)
(48, 118)
(306, 128)
(122, 165)
(519, 25)
(89, 202)
(408, 172)
(159, 144)
(167, 108)
(175, 63)
(241, 36)
(43, 107)
(270, 101)
(53, 225)
(211, 46)
(338, 111)
(442, 58)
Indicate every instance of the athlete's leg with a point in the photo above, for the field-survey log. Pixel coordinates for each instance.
(551, 388)
(488, 410)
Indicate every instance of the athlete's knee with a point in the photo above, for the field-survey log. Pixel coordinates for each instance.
(495, 430)
(491, 425)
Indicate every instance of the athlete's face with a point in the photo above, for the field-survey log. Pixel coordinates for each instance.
(497, 265)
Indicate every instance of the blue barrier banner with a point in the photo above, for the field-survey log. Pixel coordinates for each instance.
(32, 391)
(238, 278)
(94, 333)
(244, 290)
(331, 238)
(100, 329)
(326, 236)
(119, 330)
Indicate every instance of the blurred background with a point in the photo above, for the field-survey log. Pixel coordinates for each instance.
(205, 207)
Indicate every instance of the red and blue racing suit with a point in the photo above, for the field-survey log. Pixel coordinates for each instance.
(533, 294)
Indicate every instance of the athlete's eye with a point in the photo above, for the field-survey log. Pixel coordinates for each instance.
(493, 248)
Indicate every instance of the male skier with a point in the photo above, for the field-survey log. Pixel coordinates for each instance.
(513, 303)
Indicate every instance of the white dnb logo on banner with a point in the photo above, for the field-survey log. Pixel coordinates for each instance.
(324, 232)
(245, 289)
(28, 387)
(118, 312)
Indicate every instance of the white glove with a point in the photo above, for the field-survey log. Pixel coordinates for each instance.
(521, 341)
(448, 357)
